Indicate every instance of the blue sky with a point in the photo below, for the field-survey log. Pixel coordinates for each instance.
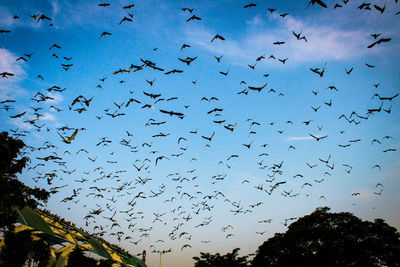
(274, 116)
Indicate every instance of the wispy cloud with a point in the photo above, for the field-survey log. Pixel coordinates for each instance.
(62, 14)
(20, 124)
(6, 19)
(55, 98)
(299, 138)
(10, 87)
(48, 117)
(324, 42)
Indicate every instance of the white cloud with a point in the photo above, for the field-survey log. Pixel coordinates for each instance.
(48, 117)
(255, 21)
(324, 42)
(6, 19)
(20, 124)
(56, 8)
(294, 138)
(56, 98)
(9, 87)
(8, 63)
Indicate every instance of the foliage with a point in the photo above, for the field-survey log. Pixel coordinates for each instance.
(229, 260)
(20, 248)
(14, 193)
(105, 263)
(332, 239)
(78, 258)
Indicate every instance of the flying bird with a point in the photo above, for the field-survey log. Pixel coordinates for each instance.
(250, 5)
(318, 138)
(104, 34)
(319, 2)
(217, 36)
(72, 137)
(194, 17)
(381, 40)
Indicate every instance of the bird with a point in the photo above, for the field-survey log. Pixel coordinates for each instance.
(257, 88)
(185, 246)
(381, 40)
(218, 58)
(187, 9)
(375, 35)
(18, 115)
(319, 2)
(172, 113)
(104, 34)
(194, 17)
(129, 6)
(377, 166)
(283, 61)
(348, 71)
(369, 65)
(252, 66)
(318, 138)
(337, 5)
(224, 73)
(125, 19)
(217, 36)
(184, 46)
(21, 58)
(380, 9)
(72, 137)
(43, 17)
(54, 46)
(208, 138)
(173, 71)
(315, 109)
(250, 5)
(317, 71)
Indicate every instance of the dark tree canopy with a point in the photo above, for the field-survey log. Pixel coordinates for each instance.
(13, 193)
(19, 248)
(229, 260)
(332, 239)
(78, 258)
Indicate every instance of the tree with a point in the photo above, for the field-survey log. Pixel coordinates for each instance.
(332, 239)
(20, 248)
(13, 193)
(228, 260)
(78, 258)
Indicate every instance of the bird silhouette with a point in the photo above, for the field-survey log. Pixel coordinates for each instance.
(381, 40)
(318, 138)
(194, 17)
(250, 5)
(104, 34)
(319, 2)
(72, 137)
(208, 138)
(217, 36)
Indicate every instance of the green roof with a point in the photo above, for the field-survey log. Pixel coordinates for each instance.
(57, 231)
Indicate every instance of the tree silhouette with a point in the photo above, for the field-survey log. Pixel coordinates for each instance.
(332, 239)
(13, 193)
(228, 260)
(78, 258)
(19, 249)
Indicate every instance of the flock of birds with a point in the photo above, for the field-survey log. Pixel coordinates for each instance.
(115, 195)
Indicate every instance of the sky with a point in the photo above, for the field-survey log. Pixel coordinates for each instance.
(251, 138)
